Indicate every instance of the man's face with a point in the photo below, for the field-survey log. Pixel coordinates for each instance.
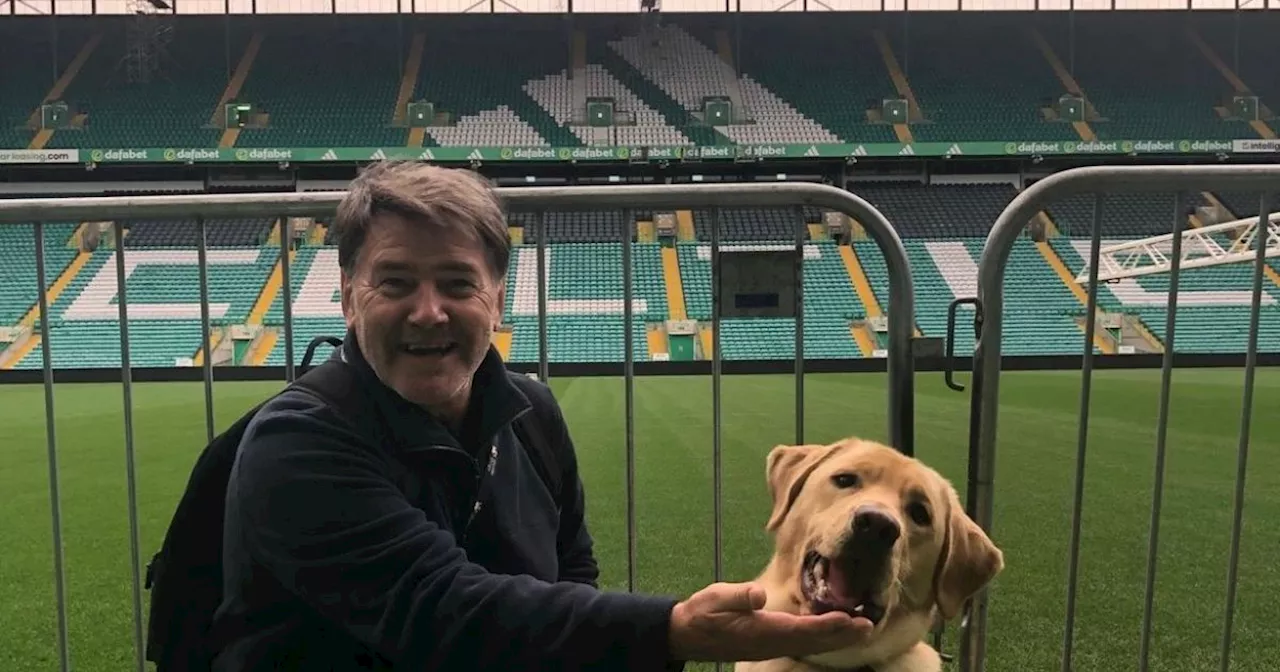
(423, 303)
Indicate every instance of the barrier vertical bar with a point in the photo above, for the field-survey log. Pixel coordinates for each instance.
(207, 365)
(991, 275)
(1082, 436)
(628, 226)
(798, 269)
(286, 250)
(131, 476)
(717, 472)
(1162, 433)
(1260, 237)
(51, 440)
(544, 372)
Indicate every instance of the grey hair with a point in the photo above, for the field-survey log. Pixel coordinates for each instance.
(459, 199)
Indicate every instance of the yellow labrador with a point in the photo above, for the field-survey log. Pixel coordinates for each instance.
(861, 528)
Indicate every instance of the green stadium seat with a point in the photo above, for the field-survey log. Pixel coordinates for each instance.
(830, 306)
(325, 84)
(96, 344)
(23, 39)
(584, 300)
(1213, 303)
(1039, 310)
(980, 78)
(1145, 77)
(18, 289)
(173, 108)
(829, 71)
(938, 211)
(479, 71)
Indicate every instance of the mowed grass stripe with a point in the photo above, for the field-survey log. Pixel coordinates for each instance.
(1034, 470)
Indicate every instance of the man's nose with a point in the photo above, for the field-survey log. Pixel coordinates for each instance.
(428, 305)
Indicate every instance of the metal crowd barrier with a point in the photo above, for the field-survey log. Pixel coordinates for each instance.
(200, 207)
(986, 368)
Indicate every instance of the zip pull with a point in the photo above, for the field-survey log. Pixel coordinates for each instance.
(480, 491)
(466, 531)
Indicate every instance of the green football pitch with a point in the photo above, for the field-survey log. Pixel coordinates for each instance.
(674, 495)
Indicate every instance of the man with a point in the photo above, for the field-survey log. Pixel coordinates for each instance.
(352, 543)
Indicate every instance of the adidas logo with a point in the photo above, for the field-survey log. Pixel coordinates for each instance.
(860, 151)
(954, 149)
(812, 151)
(475, 155)
(426, 155)
(907, 151)
(378, 155)
(329, 156)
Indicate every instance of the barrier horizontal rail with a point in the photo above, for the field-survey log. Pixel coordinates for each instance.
(204, 207)
(1010, 224)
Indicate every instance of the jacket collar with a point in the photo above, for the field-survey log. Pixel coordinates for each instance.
(495, 403)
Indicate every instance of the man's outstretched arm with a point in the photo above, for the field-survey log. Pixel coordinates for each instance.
(316, 509)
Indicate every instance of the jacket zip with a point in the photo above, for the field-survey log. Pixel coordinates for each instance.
(477, 502)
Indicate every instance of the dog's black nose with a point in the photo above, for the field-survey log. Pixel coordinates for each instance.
(873, 526)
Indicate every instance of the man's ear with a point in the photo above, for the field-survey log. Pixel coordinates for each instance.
(787, 468)
(344, 291)
(970, 560)
(501, 307)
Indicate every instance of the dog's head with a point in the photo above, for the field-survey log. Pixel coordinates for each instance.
(871, 532)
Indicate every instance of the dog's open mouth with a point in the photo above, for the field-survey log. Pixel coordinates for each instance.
(828, 587)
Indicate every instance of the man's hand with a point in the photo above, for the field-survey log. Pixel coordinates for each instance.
(725, 622)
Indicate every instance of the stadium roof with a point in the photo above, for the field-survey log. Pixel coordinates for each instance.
(188, 7)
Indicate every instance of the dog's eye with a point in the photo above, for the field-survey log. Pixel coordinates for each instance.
(845, 480)
(919, 514)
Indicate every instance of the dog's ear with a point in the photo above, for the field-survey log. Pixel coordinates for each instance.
(787, 467)
(970, 560)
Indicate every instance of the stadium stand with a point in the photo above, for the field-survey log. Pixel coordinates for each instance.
(186, 233)
(943, 228)
(743, 224)
(793, 78)
(1213, 303)
(1144, 78)
(18, 289)
(961, 89)
(603, 47)
(832, 85)
(830, 305)
(646, 126)
(584, 300)
(586, 226)
(172, 111)
(490, 95)
(329, 97)
(21, 89)
(976, 76)
(938, 210)
(1124, 215)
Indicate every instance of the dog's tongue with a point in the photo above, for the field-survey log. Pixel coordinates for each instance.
(838, 584)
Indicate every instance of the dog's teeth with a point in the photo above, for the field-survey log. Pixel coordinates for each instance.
(859, 609)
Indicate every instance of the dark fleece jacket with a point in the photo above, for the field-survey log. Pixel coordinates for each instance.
(354, 543)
